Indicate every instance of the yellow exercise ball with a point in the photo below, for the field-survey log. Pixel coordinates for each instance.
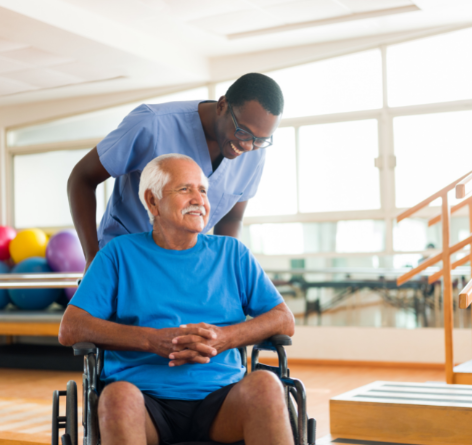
(28, 243)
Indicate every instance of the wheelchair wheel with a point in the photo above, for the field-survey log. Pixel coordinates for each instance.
(71, 413)
(69, 421)
(57, 422)
(66, 439)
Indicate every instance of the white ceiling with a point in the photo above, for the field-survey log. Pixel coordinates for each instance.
(64, 48)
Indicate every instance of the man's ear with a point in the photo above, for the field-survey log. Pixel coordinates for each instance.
(151, 202)
(221, 106)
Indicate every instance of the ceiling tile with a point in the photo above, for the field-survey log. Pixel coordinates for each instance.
(8, 45)
(88, 72)
(235, 22)
(35, 57)
(374, 5)
(122, 11)
(8, 65)
(265, 3)
(187, 10)
(307, 10)
(44, 78)
(9, 86)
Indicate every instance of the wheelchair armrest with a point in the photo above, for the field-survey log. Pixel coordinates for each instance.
(84, 348)
(271, 343)
(276, 344)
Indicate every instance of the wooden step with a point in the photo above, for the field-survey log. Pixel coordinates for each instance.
(463, 373)
(407, 413)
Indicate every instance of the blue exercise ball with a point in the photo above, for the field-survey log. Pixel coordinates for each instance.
(33, 299)
(4, 298)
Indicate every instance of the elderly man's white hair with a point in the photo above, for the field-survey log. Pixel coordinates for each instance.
(154, 178)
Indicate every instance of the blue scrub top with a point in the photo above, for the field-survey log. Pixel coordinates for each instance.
(152, 130)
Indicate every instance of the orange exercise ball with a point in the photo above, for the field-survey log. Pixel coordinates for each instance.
(28, 243)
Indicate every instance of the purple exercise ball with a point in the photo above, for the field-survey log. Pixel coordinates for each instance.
(64, 252)
(70, 291)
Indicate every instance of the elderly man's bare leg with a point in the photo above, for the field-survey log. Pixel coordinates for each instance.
(255, 411)
(123, 417)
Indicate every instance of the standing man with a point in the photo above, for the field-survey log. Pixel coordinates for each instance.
(225, 138)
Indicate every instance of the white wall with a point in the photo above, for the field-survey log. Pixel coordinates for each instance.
(377, 344)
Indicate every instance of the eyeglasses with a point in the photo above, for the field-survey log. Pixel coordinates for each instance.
(244, 135)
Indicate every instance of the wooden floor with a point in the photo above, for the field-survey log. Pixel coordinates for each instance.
(321, 382)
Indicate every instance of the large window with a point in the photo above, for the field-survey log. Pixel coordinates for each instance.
(432, 150)
(337, 170)
(307, 238)
(434, 69)
(347, 83)
(277, 193)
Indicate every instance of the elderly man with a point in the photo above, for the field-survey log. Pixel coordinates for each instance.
(170, 309)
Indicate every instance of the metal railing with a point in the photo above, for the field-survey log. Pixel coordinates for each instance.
(39, 280)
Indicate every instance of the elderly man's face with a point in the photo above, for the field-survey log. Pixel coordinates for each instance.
(184, 204)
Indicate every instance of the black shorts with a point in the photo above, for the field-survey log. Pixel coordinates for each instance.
(185, 420)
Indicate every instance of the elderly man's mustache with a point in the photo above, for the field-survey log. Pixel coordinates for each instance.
(200, 209)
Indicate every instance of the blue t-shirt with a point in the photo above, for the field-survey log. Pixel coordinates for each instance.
(153, 130)
(133, 281)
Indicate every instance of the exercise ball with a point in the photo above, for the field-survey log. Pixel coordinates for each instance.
(27, 244)
(70, 292)
(4, 298)
(33, 299)
(6, 235)
(64, 252)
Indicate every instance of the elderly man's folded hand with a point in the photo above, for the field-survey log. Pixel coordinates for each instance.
(160, 342)
(192, 347)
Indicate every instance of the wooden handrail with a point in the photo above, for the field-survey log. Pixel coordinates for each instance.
(465, 297)
(437, 275)
(445, 257)
(460, 186)
(427, 201)
(454, 209)
(433, 260)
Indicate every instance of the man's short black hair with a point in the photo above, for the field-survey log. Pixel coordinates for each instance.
(256, 86)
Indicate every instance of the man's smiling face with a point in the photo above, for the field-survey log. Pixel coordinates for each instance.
(184, 204)
(252, 117)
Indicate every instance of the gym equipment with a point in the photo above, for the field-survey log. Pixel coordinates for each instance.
(4, 298)
(6, 235)
(304, 429)
(33, 299)
(64, 252)
(27, 244)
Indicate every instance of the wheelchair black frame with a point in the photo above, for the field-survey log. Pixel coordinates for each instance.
(304, 429)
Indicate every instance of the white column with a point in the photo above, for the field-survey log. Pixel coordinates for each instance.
(3, 177)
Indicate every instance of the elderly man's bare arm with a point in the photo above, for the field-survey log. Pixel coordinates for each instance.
(278, 320)
(79, 326)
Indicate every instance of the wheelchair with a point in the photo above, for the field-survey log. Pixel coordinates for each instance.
(304, 429)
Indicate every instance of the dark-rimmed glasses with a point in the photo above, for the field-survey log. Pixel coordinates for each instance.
(244, 135)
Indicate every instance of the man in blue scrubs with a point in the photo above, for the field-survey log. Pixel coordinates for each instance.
(227, 139)
(169, 306)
